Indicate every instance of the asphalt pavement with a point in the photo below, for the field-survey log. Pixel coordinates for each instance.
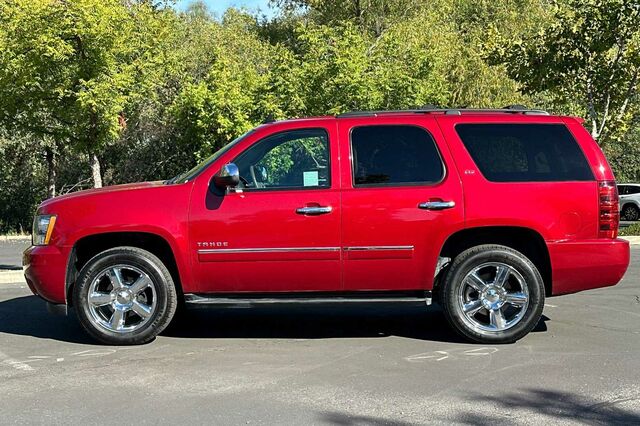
(347, 366)
(11, 253)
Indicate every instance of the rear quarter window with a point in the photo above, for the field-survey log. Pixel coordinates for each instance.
(525, 152)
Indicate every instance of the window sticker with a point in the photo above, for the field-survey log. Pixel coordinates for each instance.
(310, 178)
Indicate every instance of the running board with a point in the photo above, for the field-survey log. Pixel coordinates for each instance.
(246, 299)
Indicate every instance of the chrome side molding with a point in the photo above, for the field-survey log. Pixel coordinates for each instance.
(268, 250)
(377, 248)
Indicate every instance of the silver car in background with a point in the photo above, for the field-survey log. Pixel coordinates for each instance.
(629, 201)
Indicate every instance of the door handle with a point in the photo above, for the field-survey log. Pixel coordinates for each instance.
(314, 210)
(437, 205)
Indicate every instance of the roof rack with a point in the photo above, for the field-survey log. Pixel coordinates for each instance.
(510, 109)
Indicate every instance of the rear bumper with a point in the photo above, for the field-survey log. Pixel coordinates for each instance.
(45, 271)
(583, 265)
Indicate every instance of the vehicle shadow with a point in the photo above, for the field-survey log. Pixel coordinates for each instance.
(314, 322)
(28, 316)
(4, 267)
(319, 322)
(558, 406)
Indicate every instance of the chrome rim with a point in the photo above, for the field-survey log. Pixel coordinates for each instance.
(122, 299)
(493, 297)
(631, 213)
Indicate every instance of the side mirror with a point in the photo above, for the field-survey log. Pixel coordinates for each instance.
(228, 176)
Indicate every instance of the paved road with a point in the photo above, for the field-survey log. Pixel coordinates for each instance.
(342, 367)
(11, 253)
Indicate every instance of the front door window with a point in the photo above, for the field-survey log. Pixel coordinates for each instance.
(296, 159)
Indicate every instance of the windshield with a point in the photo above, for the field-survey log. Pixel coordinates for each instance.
(189, 175)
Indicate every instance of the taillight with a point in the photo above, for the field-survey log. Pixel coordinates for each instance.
(609, 219)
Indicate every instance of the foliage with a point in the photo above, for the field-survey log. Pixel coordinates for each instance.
(130, 90)
(68, 69)
(588, 57)
(631, 230)
(624, 156)
(372, 16)
(228, 98)
(22, 183)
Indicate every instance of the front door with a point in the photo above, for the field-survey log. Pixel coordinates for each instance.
(280, 231)
(401, 198)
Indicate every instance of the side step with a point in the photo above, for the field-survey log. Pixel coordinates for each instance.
(261, 299)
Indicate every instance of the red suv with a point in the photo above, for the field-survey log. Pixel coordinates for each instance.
(487, 211)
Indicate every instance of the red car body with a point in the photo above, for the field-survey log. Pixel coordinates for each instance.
(255, 241)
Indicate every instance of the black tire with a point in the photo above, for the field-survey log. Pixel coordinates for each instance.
(630, 212)
(164, 295)
(470, 260)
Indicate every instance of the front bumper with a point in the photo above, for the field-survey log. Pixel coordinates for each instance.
(45, 271)
(587, 264)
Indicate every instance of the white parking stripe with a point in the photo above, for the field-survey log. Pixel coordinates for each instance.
(14, 363)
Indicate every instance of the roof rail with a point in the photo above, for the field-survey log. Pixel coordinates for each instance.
(510, 109)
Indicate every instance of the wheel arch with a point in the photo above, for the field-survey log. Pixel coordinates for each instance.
(90, 245)
(626, 203)
(525, 240)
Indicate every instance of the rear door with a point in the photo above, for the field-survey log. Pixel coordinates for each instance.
(401, 198)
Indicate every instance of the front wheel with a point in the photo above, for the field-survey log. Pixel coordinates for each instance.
(492, 294)
(125, 296)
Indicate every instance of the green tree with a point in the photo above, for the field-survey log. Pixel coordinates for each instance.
(587, 58)
(22, 181)
(446, 36)
(69, 69)
(372, 16)
(343, 69)
(227, 91)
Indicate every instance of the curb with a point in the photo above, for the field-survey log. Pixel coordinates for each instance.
(14, 237)
(10, 277)
(633, 240)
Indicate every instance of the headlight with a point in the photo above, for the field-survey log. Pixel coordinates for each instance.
(42, 229)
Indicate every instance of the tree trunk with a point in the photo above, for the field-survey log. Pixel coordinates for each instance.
(51, 172)
(357, 10)
(95, 171)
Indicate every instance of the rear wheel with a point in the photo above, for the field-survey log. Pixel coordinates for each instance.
(492, 294)
(630, 212)
(125, 296)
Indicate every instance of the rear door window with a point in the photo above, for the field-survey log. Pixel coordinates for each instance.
(392, 155)
(525, 152)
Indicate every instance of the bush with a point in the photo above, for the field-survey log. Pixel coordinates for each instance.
(22, 184)
(630, 230)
